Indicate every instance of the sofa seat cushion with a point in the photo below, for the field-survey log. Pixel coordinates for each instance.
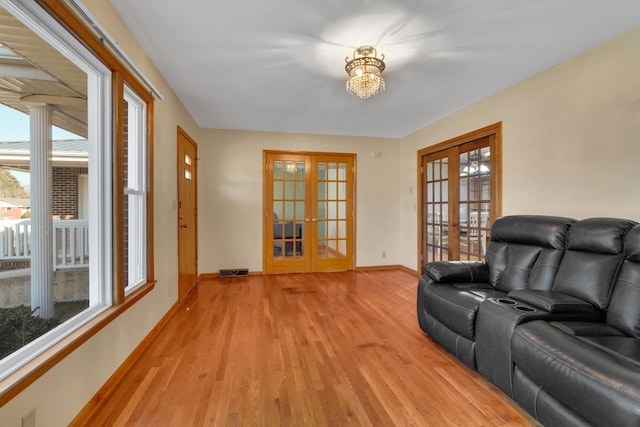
(595, 382)
(553, 302)
(627, 347)
(456, 305)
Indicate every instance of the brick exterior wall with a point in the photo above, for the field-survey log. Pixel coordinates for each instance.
(65, 192)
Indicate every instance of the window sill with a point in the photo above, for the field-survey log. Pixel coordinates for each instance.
(15, 383)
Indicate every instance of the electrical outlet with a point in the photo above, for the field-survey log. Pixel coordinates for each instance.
(384, 255)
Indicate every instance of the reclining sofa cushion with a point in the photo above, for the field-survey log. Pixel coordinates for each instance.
(525, 251)
(601, 385)
(592, 368)
(624, 310)
(592, 259)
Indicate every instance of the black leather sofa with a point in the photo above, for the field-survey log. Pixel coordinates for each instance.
(552, 316)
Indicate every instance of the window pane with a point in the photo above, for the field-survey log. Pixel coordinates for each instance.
(342, 229)
(288, 210)
(342, 171)
(52, 228)
(322, 171)
(342, 247)
(277, 170)
(333, 171)
(278, 210)
(342, 191)
(332, 187)
(299, 210)
(277, 190)
(322, 191)
(300, 170)
(289, 190)
(333, 210)
(322, 210)
(342, 210)
(289, 170)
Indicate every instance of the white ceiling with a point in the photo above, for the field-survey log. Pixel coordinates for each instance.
(278, 65)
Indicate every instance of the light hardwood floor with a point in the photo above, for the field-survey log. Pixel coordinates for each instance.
(327, 349)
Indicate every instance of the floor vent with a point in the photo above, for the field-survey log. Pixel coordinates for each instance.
(234, 272)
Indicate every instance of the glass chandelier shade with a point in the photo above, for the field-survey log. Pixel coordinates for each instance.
(365, 72)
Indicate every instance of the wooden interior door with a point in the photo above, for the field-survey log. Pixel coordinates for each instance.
(287, 213)
(333, 213)
(435, 230)
(308, 212)
(460, 196)
(187, 213)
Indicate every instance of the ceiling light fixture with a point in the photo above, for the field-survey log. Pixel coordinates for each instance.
(365, 72)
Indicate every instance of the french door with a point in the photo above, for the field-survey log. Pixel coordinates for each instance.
(308, 212)
(459, 196)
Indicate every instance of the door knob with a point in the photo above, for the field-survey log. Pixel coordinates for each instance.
(184, 226)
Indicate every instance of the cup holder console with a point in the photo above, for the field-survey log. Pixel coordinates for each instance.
(515, 305)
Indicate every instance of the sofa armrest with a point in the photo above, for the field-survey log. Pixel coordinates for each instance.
(457, 271)
(553, 302)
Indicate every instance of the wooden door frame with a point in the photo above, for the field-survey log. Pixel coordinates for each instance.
(265, 219)
(183, 133)
(494, 130)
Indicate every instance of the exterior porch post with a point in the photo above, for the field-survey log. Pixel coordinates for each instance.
(41, 222)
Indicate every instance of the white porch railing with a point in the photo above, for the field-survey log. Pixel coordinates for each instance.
(70, 242)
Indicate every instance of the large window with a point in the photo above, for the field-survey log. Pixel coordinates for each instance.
(75, 228)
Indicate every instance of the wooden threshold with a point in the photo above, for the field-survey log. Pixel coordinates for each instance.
(323, 349)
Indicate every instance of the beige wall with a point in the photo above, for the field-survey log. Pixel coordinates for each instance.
(571, 138)
(230, 195)
(63, 391)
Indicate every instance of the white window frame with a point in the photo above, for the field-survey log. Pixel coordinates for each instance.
(137, 189)
(100, 176)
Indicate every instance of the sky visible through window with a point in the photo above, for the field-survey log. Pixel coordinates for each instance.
(14, 126)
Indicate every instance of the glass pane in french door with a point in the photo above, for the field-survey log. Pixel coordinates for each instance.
(331, 214)
(436, 199)
(474, 203)
(289, 195)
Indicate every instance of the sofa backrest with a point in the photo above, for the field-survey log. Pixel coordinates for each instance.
(525, 251)
(592, 259)
(624, 309)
